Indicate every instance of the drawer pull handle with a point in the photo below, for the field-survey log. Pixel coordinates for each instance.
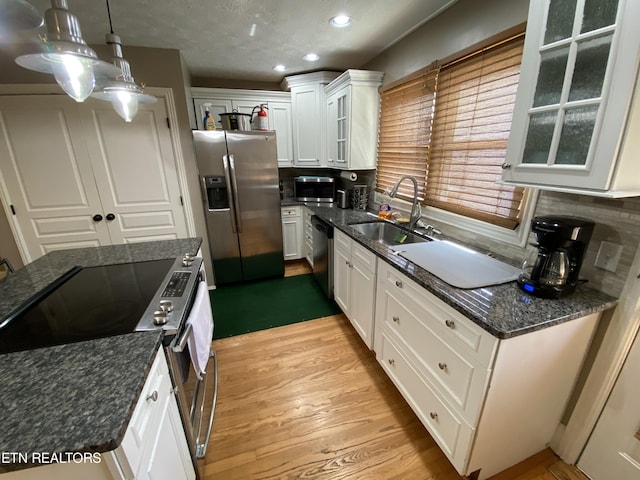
(442, 366)
(450, 323)
(392, 362)
(153, 397)
(396, 319)
(398, 284)
(433, 415)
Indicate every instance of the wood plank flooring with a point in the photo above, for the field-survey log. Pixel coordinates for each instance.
(310, 401)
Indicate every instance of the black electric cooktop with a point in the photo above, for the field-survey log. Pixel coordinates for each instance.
(86, 303)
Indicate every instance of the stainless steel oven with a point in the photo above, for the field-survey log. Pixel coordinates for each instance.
(100, 301)
(314, 189)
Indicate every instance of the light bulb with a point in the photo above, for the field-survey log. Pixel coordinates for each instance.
(125, 104)
(75, 75)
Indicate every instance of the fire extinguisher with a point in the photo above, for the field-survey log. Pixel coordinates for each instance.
(260, 120)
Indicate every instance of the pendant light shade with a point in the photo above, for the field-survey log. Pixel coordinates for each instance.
(66, 55)
(122, 92)
(17, 16)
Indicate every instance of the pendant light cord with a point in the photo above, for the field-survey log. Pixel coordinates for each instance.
(109, 15)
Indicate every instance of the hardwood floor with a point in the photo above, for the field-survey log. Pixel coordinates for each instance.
(310, 401)
(296, 267)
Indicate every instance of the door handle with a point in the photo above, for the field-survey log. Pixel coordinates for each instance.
(97, 217)
(110, 216)
(227, 179)
(236, 202)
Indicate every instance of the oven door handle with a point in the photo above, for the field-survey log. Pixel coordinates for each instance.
(180, 343)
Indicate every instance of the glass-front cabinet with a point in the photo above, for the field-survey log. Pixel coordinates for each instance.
(575, 100)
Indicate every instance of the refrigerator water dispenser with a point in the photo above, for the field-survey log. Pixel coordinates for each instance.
(217, 196)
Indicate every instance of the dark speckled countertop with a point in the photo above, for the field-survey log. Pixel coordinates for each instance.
(77, 397)
(503, 310)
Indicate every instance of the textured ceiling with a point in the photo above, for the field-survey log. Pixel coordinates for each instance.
(244, 39)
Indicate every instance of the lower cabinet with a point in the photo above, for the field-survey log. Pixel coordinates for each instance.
(154, 445)
(489, 403)
(292, 232)
(354, 283)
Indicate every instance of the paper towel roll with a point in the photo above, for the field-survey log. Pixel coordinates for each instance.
(349, 176)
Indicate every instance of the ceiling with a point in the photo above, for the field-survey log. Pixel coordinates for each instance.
(244, 39)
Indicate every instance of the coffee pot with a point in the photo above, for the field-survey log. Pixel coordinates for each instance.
(552, 271)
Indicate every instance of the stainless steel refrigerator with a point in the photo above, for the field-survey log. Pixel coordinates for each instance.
(239, 178)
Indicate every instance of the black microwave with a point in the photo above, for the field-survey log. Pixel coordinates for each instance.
(314, 189)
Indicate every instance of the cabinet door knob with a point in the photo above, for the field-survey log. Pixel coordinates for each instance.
(433, 415)
(442, 365)
(398, 284)
(450, 323)
(396, 319)
(153, 397)
(110, 216)
(392, 361)
(97, 217)
(506, 166)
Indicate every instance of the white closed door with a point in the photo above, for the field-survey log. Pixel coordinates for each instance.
(135, 172)
(46, 172)
(77, 175)
(613, 451)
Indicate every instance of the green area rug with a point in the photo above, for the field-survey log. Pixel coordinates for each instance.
(249, 307)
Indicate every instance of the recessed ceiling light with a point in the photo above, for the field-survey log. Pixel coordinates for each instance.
(311, 57)
(280, 68)
(340, 21)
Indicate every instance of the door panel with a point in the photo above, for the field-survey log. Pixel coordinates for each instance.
(135, 172)
(47, 174)
(254, 165)
(613, 451)
(221, 228)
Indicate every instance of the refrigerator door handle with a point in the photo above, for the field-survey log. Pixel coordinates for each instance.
(230, 194)
(236, 203)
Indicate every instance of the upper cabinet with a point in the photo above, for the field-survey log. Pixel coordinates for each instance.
(352, 120)
(224, 100)
(309, 103)
(577, 105)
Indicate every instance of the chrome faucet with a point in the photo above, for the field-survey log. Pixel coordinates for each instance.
(415, 212)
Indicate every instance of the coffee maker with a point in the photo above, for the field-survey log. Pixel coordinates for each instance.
(553, 271)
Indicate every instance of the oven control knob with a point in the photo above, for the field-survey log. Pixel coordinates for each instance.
(166, 306)
(160, 317)
(187, 260)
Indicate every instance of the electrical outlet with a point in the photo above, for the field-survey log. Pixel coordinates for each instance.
(608, 256)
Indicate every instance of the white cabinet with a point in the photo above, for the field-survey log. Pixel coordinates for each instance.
(308, 101)
(488, 403)
(577, 108)
(307, 234)
(292, 238)
(352, 120)
(154, 445)
(225, 100)
(88, 178)
(354, 283)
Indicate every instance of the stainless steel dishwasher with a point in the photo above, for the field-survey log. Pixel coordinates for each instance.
(323, 254)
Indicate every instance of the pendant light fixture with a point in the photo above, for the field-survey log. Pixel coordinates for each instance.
(17, 16)
(122, 92)
(65, 54)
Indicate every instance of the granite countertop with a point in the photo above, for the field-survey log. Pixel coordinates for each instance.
(77, 397)
(503, 310)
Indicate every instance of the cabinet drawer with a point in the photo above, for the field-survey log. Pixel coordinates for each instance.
(451, 433)
(342, 240)
(364, 257)
(288, 212)
(457, 331)
(460, 380)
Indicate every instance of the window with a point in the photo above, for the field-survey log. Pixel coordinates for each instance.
(448, 126)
